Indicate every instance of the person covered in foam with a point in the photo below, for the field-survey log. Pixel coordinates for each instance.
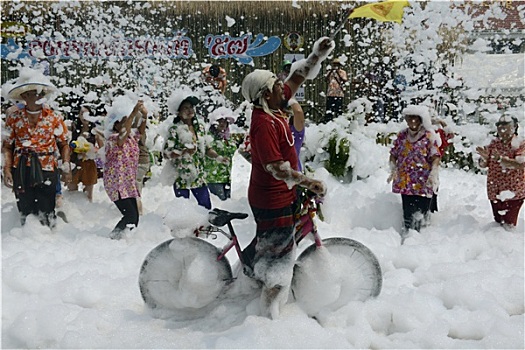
(505, 159)
(414, 167)
(272, 194)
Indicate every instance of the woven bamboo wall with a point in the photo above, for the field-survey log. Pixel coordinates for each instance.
(272, 18)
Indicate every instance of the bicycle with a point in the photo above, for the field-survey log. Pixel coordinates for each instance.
(188, 274)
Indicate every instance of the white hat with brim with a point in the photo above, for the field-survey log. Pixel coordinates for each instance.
(179, 96)
(222, 113)
(16, 92)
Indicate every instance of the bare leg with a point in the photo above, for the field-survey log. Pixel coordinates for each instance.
(139, 205)
(270, 301)
(72, 186)
(89, 192)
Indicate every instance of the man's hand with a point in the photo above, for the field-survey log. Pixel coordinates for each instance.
(222, 160)
(325, 45)
(8, 178)
(144, 111)
(68, 177)
(316, 186)
(393, 171)
(433, 179)
(138, 107)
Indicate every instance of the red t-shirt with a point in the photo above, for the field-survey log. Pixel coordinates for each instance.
(271, 140)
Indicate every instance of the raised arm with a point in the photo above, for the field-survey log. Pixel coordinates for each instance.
(309, 68)
(298, 114)
(125, 131)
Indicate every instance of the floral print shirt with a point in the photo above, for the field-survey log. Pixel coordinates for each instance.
(41, 139)
(505, 183)
(120, 167)
(336, 79)
(413, 164)
(217, 172)
(189, 169)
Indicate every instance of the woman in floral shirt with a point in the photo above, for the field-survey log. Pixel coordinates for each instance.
(186, 147)
(414, 162)
(505, 158)
(122, 158)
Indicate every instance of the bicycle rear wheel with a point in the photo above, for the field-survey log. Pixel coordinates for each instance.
(329, 277)
(183, 275)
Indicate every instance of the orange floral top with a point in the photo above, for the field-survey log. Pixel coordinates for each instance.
(41, 139)
(505, 183)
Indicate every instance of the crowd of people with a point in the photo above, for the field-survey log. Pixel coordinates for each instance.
(40, 152)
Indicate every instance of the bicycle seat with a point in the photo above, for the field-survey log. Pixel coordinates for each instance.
(219, 217)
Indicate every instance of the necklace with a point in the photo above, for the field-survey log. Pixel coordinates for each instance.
(291, 143)
(33, 117)
(34, 112)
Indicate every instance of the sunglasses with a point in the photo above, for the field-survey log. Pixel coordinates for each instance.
(502, 123)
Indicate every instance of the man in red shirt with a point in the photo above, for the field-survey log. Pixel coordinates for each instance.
(271, 192)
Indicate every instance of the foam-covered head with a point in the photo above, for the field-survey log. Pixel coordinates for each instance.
(422, 112)
(180, 95)
(255, 83)
(508, 119)
(121, 107)
(222, 113)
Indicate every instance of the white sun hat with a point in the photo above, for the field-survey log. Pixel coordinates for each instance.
(180, 95)
(28, 80)
(222, 113)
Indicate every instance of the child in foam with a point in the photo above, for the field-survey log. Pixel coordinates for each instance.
(85, 145)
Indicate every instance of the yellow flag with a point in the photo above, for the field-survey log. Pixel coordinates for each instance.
(386, 11)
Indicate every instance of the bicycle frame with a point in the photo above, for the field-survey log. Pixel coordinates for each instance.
(303, 226)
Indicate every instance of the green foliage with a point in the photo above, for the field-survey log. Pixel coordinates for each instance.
(339, 150)
(460, 159)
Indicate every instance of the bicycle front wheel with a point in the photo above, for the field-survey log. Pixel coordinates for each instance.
(331, 276)
(183, 275)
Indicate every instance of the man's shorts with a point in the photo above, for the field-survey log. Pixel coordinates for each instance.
(274, 231)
